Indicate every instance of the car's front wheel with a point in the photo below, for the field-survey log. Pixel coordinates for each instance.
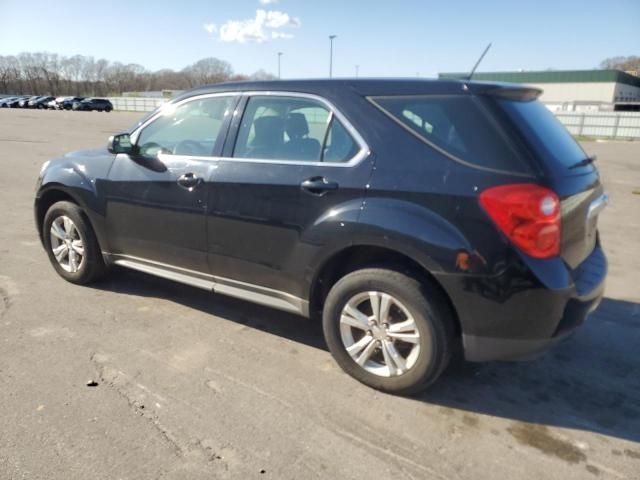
(388, 330)
(71, 244)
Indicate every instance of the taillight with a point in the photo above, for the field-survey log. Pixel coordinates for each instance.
(528, 214)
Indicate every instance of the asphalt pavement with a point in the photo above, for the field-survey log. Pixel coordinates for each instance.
(136, 377)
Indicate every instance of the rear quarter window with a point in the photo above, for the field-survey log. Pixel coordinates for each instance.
(548, 138)
(460, 126)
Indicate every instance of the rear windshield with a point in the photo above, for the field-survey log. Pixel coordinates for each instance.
(549, 139)
(461, 126)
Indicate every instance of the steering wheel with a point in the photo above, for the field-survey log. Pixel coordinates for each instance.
(188, 147)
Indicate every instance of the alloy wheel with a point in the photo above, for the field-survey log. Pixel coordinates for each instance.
(380, 334)
(67, 244)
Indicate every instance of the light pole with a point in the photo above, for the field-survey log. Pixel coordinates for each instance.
(331, 37)
(279, 55)
(357, 70)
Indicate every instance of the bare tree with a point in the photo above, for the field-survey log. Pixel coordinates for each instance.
(262, 75)
(208, 70)
(41, 73)
(631, 63)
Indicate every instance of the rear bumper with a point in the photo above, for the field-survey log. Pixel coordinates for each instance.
(523, 323)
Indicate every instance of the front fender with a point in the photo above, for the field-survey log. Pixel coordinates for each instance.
(69, 177)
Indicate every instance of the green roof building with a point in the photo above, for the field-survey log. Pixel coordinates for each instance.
(571, 89)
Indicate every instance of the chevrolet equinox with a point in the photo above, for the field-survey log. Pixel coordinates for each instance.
(411, 216)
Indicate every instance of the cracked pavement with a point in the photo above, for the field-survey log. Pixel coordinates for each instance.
(196, 386)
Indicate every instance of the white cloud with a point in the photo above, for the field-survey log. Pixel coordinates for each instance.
(263, 27)
(276, 19)
(268, 2)
(210, 28)
(285, 35)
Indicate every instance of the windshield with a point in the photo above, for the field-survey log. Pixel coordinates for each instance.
(549, 139)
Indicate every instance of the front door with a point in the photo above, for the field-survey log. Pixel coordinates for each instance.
(157, 198)
(292, 161)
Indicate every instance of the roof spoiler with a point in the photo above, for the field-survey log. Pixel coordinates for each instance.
(509, 92)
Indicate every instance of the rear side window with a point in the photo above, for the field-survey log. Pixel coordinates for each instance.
(544, 132)
(458, 125)
(293, 129)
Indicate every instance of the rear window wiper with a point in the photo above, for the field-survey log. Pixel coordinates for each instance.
(584, 162)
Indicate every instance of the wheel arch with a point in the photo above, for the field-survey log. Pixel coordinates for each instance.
(356, 257)
(51, 195)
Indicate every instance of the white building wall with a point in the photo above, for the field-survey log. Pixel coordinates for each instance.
(597, 92)
(626, 93)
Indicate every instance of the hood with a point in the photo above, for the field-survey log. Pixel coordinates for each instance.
(88, 153)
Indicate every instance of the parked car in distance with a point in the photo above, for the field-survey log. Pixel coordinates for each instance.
(413, 217)
(24, 101)
(33, 99)
(67, 103)
(91, 104)
(14, 102)
(40, 102)
(6, 101)
(55, 103)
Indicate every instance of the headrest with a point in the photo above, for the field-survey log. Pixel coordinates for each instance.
(296, 125)
(268, 129)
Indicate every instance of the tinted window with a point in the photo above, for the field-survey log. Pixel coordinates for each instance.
(460, 125)
(192, 128)
(548, 137)
(283, 128)
(339, 146)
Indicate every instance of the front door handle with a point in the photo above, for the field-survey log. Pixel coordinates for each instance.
(318, 185)
(189, 181)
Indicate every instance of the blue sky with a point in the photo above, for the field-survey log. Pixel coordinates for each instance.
(385, 38)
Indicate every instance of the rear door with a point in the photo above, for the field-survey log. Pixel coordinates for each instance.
(157, 198)
(290, 159)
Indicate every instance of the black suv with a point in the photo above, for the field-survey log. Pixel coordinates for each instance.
(411, 216)
(91, 104)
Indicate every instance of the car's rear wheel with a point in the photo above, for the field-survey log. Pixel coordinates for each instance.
(108, 109)
(71, 244)
(388, 330)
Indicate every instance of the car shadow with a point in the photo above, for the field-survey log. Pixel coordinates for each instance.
(590, 381)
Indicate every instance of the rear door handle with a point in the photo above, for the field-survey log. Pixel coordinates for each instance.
(318, 185)
(189, 181)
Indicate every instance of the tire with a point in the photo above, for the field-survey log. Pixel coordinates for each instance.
(39, 107)
(432, 325)
(108, 109)
(91, 266)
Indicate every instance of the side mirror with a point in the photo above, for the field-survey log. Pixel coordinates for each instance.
(120, 143)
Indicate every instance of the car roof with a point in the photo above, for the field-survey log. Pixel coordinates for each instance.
(361, 86)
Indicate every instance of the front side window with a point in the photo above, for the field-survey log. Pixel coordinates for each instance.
(292, 128)
(192, 128)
